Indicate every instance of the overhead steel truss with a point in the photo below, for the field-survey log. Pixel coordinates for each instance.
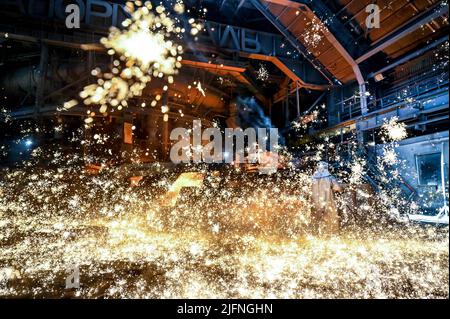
(264, 9)
(293, 40)
(427, 16)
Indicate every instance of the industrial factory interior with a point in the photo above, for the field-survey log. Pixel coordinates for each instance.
(224, 149)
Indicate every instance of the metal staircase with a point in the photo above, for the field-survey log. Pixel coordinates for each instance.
(373, 176)
(372, 172)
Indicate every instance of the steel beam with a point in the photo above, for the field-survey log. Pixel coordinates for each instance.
(330, 20)
(333, 41)
(284, 66)
(53, 110)
(342, 45)
(222, 4)
(312, 106)
(409, 56)
(293, 41)
(237, 72)
(427, 16)
(241, 3)
(269, 44)
(335, 26)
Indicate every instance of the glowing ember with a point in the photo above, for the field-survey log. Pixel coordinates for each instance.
(146, 48)
(262, 73)
(314, 32)
(394, 130)
(248, 240)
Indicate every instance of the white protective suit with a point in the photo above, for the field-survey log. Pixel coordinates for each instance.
(324, 215)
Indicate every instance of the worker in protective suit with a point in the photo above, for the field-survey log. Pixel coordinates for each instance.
(324, 214)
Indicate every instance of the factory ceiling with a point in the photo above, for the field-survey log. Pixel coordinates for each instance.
(301, 43)
(333, 33)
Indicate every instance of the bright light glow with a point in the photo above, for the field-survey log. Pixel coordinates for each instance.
(394, 130)
(146, 48)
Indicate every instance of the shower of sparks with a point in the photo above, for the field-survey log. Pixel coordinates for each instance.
(241, 237)
(146, 48)
(196, 27)
(394, 130)
(262, 73)
(230, 234)
(314, 32)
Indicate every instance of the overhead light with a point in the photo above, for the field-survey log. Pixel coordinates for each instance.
(379, 77)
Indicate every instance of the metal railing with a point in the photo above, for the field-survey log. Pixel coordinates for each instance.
(409, 93)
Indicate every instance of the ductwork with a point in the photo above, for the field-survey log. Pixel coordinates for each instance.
(22, 81)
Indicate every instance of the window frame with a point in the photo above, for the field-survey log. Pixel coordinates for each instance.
(419, 179)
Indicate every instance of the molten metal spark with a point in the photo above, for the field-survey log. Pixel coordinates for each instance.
(145, 48)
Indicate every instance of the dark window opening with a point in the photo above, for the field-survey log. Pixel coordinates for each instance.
(429, 169)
